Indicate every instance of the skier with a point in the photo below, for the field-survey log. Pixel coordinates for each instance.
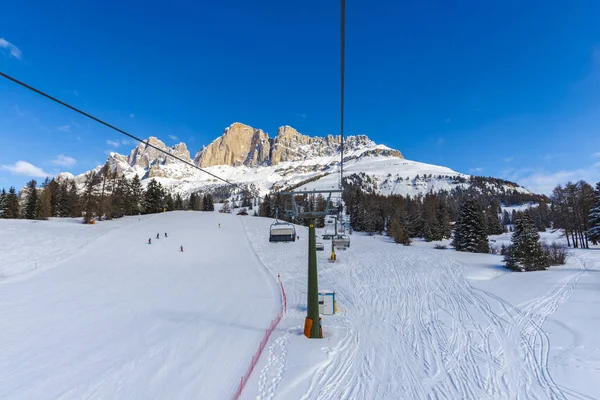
(165, 234)
(149, 240)
(158, 235)
(219, 225)
(181, 249)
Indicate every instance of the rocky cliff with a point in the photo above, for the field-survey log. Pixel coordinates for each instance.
(239, 145)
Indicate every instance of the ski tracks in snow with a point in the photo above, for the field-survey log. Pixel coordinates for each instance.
(417, 329)
(272, 373)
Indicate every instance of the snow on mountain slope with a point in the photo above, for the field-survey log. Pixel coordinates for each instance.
(246, 156)
(122, 319)
(411, 325)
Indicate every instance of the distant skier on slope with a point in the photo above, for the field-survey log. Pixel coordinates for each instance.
(158, 235)
(149, 240)
(181, 249)
(166, 234)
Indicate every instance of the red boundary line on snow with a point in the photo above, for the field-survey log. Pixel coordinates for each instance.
(262, 344)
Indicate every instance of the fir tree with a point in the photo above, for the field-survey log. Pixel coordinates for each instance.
(3, 203)
(45, 208)
(470, 234)
(118, 199)
(398, 232)
(443, 217)
(178, 202)
(62, 198)
(90, 197)
(32, 200)
(153, 198)
(210, 206)
(12, 206)
(192, 201)
(73, 207)
(493, 222)
(135, 196)
(525, 252)
(54, 188)
(169, 202)
(594, 219)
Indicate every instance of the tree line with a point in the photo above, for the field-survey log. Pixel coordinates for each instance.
(104, 195)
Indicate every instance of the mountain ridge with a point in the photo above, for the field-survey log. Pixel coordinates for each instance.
(247, 155)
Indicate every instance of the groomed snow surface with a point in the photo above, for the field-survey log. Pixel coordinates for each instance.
(94, 312)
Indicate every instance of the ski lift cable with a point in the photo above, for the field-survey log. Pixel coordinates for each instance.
(342, 53)
(147, 143)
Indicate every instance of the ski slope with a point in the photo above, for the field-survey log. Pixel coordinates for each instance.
(104, 315)
(118, 318)
(420, 323)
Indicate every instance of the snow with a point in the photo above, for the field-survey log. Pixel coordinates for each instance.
(385, 170)
(118, 318)
(121, 319)
(416, 322)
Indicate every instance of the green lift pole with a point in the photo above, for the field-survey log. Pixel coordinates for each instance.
(312, 324)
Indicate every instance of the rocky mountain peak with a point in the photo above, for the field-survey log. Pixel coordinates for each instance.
(239, 144)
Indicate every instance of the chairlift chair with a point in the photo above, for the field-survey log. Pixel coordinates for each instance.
(341, 242)
(282, 232)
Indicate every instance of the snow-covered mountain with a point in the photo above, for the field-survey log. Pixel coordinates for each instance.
(245, 155)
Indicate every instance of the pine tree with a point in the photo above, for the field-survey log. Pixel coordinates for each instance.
(398, 232)
(12, 206)
(73, 206)
(178, 202)
(3, 203)
(443, 218)
(45, 207)
(210, 206)
(192, 201)
(493, 222)
(470, 234)
(525, 252)
(153, 198)
(32, 200)
(169, 202)
(135, 196)
(90, 198)
(54, 188)
(118, 199)
(594, 219)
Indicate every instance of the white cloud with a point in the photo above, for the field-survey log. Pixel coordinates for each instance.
(14, 50)
(64, 128)
(595, 155)
(173, 137)
(542, 181)
(64, 161)
(113, 143)
(132, 115)
(476, 170)
(25, 168)
(125, 142)
(508, 159)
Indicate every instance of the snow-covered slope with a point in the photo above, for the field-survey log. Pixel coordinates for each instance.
(419, 323)
(122, 319)
(118, 318)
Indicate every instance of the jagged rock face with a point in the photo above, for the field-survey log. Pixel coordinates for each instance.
(290, 145)
(144, 156)
(239, 145)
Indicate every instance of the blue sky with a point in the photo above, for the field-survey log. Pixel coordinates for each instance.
(508, 89)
